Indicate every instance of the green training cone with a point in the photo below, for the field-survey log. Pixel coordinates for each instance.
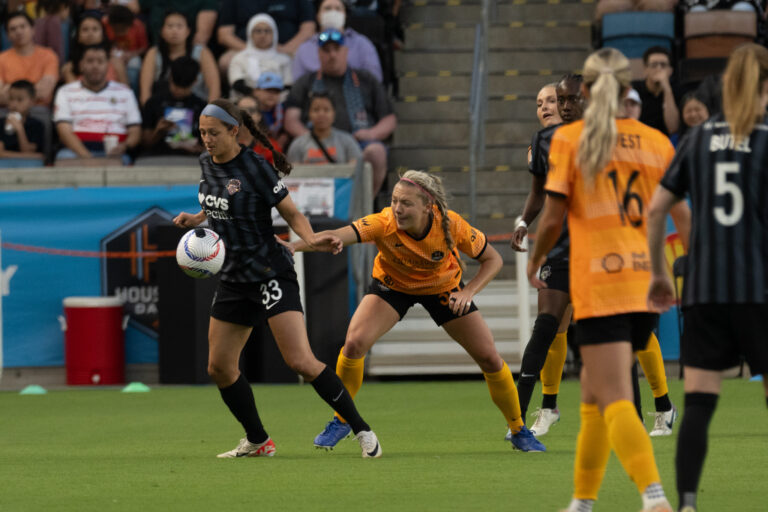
(33, 389)
(136, 387)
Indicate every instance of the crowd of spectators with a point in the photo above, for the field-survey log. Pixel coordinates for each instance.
(662, 98)
(126, 79)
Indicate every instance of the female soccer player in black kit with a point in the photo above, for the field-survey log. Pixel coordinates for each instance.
(237, 192)
(722, 166)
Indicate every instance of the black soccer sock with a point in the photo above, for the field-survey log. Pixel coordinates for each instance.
(239, 399)
(662, 403)
(636, 392)
(330, 388)
(549, 401)
(544, 331)
(692, 444)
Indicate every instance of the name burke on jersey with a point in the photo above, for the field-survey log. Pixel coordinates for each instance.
(215, 207)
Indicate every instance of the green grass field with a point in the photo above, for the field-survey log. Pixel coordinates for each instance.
(99, 449)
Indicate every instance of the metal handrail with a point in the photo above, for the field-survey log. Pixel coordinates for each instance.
(478, 103)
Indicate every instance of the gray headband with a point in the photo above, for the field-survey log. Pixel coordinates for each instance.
(219, 113)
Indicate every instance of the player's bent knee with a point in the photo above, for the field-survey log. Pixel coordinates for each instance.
(355, 346)
(490, 363)
(221, 375)
(305, 365)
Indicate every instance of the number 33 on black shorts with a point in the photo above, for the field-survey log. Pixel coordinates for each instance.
(241, 303)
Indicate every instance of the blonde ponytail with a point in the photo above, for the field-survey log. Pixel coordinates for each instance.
(607, 75)
(746, 71)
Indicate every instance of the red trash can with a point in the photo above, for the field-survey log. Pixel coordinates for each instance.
(94, 341)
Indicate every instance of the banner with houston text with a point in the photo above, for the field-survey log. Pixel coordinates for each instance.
(88, 242)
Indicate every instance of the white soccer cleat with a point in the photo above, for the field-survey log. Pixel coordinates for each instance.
(369, 443)
(663, 422)
(545, 418)
(248, 449)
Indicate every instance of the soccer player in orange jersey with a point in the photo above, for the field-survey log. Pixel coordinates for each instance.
(419, 239)
(603, 170)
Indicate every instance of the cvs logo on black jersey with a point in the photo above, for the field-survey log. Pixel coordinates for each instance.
(280, 186)
(213, 201)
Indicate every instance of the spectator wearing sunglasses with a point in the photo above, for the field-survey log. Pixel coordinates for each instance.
(333, 14)
(362, 105)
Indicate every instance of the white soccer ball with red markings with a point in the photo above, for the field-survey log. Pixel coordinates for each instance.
(200, 253)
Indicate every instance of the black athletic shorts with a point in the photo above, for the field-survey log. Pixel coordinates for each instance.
(241, 303)
(633, 327)
(436, 305)
(719, 336)
(554, 272)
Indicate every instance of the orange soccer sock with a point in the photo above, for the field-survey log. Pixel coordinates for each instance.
(504, 394)
(592, 453)
(631, 443)
(552, 372)
(653, 367)
(350, 371)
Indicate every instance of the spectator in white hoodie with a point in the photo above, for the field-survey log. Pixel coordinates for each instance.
(260, 55)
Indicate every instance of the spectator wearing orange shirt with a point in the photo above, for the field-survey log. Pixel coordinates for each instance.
(129, 38)
(27, 61)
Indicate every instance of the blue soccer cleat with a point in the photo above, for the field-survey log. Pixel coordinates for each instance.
(526, 442)
(333, 432)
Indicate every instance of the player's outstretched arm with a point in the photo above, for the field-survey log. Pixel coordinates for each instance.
(189, 220)
(327, 240)
(301, 226)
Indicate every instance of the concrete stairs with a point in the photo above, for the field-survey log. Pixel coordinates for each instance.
(417, 347)
(532, 42)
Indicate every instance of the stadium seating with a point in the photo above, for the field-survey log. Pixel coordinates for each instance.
(634, 32)
(717, 33)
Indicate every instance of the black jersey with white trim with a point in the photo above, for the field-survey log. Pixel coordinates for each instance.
(237, 197)
(727, 183)
(539, 166)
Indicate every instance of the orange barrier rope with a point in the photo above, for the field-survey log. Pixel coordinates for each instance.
(501, 237)
(88, 254)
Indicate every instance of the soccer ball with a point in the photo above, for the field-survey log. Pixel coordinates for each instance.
(200, 253)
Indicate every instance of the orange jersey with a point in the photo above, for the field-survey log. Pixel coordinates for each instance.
(419, 267)
(609, 261)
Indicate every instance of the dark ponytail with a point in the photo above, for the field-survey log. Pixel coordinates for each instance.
(244, 118)
(282, 165)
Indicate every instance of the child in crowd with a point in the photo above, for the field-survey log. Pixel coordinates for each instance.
(269, 87)
(323, 144)
(251, 106)
(170, 117)
(22, 137)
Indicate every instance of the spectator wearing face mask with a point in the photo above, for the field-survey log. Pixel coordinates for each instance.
(332, 14)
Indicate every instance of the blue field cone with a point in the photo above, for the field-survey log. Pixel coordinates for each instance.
(757, 378)
(33, 389)
(136, 387)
